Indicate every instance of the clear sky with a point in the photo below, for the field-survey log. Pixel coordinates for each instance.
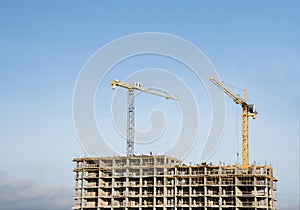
(45, 44)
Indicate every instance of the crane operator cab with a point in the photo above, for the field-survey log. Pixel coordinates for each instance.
(252, 110)
(137, 85)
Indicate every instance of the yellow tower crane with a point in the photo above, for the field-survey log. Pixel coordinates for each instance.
(130, 108)
(247, 110)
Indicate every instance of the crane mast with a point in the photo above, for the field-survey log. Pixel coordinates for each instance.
(247, 110)
(131, 109)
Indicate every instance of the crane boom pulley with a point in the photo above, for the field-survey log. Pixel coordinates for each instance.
(131, 109)
(247, 110)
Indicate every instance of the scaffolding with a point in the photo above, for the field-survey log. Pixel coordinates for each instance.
(165, 183)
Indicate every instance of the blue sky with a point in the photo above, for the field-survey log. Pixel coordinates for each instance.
(44, 45)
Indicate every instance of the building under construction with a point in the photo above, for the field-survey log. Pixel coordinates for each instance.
(165, 183)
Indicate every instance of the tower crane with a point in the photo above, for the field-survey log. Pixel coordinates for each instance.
(130, 107)
(247, 110)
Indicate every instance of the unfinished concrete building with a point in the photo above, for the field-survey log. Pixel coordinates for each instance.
(165, 183)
